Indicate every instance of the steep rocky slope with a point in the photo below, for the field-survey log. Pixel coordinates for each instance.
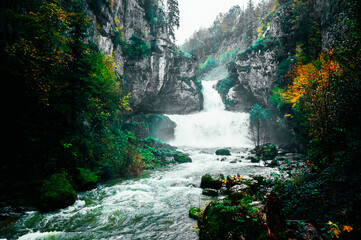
(161, 80)
(294, 31)
(230, 33)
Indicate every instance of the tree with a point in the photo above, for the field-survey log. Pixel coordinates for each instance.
(251, 27)
(258, 125)
(173, 17)
(313, 93)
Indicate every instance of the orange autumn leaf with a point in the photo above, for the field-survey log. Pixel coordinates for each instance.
(347, 228)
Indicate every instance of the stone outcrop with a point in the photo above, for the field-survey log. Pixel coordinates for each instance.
(254, 72)
(161, 82)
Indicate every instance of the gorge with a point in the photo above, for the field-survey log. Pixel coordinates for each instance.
(155, 204)
(112, 129)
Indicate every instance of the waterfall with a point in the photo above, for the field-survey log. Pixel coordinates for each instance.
(214, 127)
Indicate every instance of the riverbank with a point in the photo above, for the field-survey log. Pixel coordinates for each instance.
(152, 206)
(294, 203)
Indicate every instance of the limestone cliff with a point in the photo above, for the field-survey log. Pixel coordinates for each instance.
(294, 31)
(155, 78)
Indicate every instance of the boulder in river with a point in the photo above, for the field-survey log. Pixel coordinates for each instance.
(209, 181)
(254, 159)
(182, 158)
(223, 152)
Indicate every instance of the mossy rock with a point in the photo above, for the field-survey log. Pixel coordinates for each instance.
(254, 159)
(195, 213)
(208, 181)
(223, 152)
(221, 220)
(86, 179)
(182, 158)
(56, 193)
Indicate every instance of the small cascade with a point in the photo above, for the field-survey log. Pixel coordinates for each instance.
(214, 127)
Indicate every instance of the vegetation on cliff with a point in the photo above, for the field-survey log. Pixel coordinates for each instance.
(315, 92)
(69, 119)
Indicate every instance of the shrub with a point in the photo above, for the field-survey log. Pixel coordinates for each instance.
(136, 49)
(86, 179)
(56, 193)
(195, 213)
(267, 151)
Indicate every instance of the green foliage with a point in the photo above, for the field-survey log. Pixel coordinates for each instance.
(195, 213)
(259, 124)
(182, 158)
(224, 85)
(277, 98)
(136, 48)
(235, 27)
(154, 14)
(86, 179)
(267, 151)
(150, 157)
(222, 220)
(158, 153)
(56, 192)
(72, 100)
(173, 17)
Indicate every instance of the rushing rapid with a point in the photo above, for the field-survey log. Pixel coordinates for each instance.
(155, 205)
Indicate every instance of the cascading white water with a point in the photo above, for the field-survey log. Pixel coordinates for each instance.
(212, 127)
(156, 205)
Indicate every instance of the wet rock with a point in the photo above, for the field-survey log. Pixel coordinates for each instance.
(223, 152)
(272, 163)
(254, 159)
(209, 181)
(182, 158)
(237, 191)
(223, 159)
(165, 81)
(233, 161)
(210, 192)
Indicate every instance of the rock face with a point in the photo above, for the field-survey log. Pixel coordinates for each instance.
(254, 72)
(250, 80)
(160, 81)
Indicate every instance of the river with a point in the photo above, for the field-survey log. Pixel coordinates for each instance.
(154, 205)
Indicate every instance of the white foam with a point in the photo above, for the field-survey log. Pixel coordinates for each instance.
(40, 235)
(214, 126)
